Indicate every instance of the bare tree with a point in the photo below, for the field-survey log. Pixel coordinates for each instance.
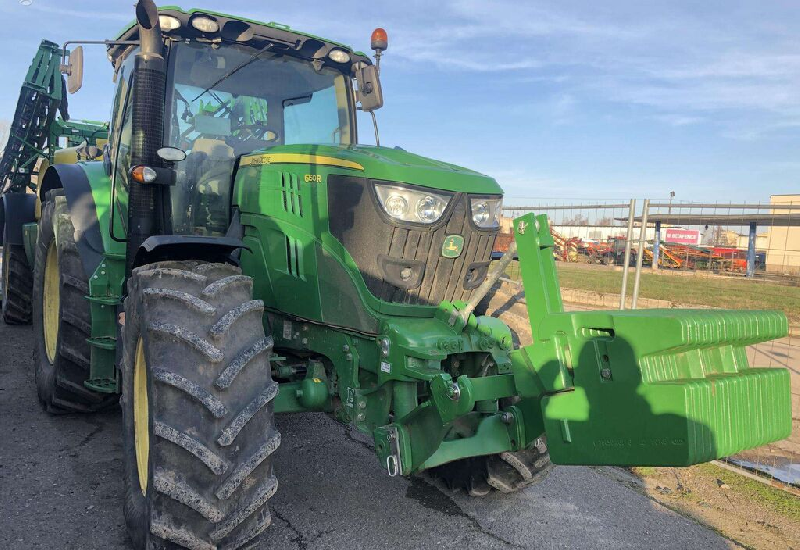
(577, 219)
(719, 236)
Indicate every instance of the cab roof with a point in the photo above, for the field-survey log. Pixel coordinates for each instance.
(303, 44)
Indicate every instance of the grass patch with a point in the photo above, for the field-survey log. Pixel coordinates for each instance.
(644, 471)
(702, 291)
(780, 502)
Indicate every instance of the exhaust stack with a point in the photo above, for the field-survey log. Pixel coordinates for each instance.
(149, 29)
(147, 204)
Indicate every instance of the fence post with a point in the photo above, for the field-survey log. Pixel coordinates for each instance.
(751, 251)
(640, 252)
(657, 245)
(627, 260)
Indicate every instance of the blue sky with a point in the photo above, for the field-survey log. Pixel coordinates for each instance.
(568, 100)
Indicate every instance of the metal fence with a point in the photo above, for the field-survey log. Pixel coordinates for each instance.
(752, 240)
(738, 256)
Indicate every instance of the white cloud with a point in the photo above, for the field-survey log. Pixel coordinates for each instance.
(673, 119)
(683, 62)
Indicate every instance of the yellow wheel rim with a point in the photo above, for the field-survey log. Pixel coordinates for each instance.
(141, 424)
(51, 301)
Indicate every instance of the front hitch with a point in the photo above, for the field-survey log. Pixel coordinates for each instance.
(629, 388)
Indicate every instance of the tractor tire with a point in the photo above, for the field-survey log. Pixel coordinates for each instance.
(61, 317)
(505, 472)
(16, 284)
(197, 412)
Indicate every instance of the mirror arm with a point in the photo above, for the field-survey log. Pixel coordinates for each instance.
(375, 124)
(105, 42)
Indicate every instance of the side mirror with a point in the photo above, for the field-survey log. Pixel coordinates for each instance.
(74, 70)
(370, 94)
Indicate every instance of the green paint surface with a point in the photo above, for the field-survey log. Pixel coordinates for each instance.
(397, 165)
(100, 183)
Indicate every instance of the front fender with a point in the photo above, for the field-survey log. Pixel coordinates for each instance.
(188, 247)
(87, 188)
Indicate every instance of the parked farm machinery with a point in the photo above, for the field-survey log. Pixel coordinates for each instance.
(666, 258)
(41, 133)
(612, 252)
(565, 249)
(237, 254)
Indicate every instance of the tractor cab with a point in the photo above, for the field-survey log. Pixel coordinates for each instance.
(232, 87)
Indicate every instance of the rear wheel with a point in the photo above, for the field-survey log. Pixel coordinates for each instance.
(505, 472)
(198, 427)
(62, 318)
(16, 284)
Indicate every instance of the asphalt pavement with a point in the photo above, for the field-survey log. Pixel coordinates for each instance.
(61, 488)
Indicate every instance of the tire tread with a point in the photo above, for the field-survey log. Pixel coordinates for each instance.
(60, 385)
(18, 289)
(207, 494)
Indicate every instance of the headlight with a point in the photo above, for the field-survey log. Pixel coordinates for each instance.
(204, 24)
(339, 56)
(486, 212)
(168, 23)
(411, 205)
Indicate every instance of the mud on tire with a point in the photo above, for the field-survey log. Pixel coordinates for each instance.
(60, 378)
(207, 470)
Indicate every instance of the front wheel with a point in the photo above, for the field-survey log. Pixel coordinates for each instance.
(505, 472)
(198, 427)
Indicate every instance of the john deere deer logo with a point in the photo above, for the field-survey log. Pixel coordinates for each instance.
(452, 246)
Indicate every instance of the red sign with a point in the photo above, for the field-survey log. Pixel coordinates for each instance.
(682, 236)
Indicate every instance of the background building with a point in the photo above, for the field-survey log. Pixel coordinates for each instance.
(783, 243)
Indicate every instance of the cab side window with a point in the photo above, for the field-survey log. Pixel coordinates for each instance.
(121, 124)
(123, 157)
(119, 143)
(315, 118)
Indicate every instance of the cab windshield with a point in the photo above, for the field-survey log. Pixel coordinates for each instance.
(227, 101)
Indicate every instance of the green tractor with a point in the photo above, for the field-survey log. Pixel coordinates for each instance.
(237, 254)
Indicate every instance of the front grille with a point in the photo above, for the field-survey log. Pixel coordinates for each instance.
(404, 263)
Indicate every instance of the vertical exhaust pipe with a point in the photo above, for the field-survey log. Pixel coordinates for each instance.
(147, 204)
(150, 42)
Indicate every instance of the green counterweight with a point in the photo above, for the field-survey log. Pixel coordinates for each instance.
(646, 387)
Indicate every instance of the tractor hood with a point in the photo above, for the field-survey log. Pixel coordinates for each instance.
(382, 163)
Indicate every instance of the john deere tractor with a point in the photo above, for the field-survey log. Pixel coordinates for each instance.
(236, 253)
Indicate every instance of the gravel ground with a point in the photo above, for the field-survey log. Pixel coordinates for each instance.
(61, 487)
